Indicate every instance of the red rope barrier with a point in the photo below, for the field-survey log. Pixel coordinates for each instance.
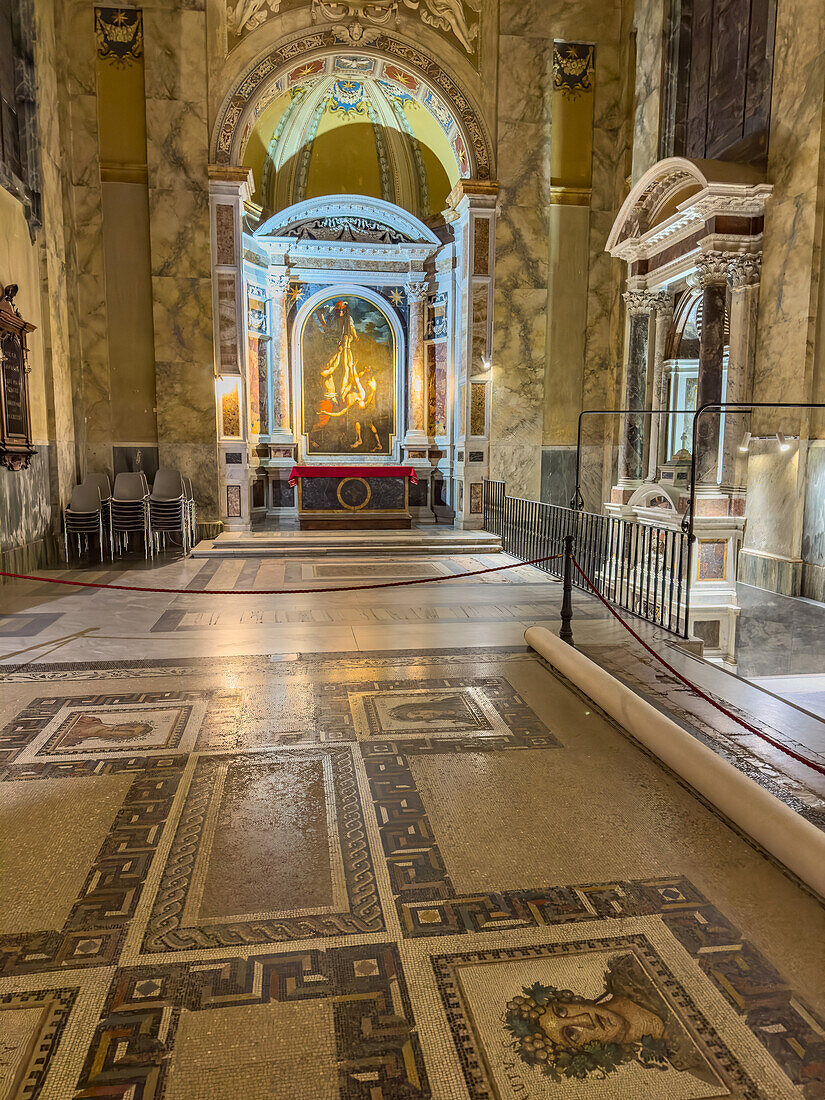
(696, 690)
(278, 591)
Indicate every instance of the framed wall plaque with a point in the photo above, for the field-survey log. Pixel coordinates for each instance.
(15, 425)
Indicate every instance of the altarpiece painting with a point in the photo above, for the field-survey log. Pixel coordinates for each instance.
(348, 358)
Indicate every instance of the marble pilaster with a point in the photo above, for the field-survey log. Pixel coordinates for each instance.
(416, 435)
(711, 277)
(639, 304)
(663, 312)
(744, 278)
(277, 288)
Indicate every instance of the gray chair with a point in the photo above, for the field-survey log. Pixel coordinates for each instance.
(130, 510)
(191, 511)
(83, 517)
(104, 487)
(168, 508)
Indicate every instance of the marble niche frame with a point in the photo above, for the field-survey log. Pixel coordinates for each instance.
(329, 293)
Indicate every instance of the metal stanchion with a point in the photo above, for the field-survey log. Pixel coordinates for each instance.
(566, 632)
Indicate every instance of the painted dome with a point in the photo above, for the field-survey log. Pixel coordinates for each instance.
(342, 125)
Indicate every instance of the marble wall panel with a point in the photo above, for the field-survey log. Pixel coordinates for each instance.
(793, 224)
(773, 501)
(180, 232)
(441, 363)
(480, 326)
(558, 475)
(25, 511)
(648, 21)
(813, 525)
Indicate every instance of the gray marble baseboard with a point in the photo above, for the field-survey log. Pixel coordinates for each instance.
(773, 574)
(42, 553)
(558, 475)
(813, 581)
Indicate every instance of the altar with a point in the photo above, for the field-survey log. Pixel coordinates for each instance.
(353, 497)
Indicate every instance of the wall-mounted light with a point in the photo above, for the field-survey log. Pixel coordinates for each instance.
(784, 445)
(746, 442)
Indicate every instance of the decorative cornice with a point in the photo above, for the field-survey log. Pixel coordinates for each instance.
(745, 269)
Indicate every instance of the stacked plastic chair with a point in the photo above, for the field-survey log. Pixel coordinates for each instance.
(104, 487)
(130, 510)
(191, 512)
(83, 517)
(169, 508)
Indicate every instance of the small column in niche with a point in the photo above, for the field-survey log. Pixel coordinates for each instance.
(16, 448)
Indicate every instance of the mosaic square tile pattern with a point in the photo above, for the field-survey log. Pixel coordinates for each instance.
(441, 715)
(53, 728)
(362, 877)
(243, 815)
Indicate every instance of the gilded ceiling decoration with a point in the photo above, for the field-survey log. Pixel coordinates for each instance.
(455, 19)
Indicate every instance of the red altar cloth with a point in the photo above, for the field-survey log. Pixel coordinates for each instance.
(353, 471)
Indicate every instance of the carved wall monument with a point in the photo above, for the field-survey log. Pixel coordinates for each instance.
(15, 426)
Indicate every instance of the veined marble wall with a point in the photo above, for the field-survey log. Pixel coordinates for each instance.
(177, 136)
(524, 366)
(813, 525)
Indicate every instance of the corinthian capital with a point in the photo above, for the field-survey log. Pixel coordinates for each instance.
(746, 269)
(277, 285)
(638, 302)
(712, 269)
(416, 292)
(662, 302)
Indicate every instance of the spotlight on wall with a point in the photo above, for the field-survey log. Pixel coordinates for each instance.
(784, 445)
(746, 442)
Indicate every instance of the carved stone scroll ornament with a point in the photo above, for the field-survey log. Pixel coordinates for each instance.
(445, 15)
(246, 15)
(15, 425)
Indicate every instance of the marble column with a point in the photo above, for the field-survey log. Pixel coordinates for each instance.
(744, 278)
(639, 304)
(711, 277)
(416, 388)
(277, 288)
(663, 311)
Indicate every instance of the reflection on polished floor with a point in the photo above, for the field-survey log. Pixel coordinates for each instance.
(371, 847)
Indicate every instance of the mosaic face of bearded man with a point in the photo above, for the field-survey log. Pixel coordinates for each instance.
(348, 378)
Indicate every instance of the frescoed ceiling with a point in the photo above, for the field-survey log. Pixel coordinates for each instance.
(350, 124)
(456, 20)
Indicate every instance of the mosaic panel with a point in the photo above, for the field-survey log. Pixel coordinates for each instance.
(300, 811)
(358, 994)
(59, 726)
(429, 906)
(31, 1024)
(435, 715)
(596, 1018)
(94, 930)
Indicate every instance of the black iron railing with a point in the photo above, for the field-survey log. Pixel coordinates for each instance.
(638, 567)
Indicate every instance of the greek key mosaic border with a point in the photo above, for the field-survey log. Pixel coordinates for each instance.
(429, 906)
(378, 1052)
(96, 926)
(165, 931)
(56, 1005)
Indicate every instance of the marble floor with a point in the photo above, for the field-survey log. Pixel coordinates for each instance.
(331, 845)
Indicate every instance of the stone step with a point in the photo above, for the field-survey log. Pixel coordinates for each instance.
(362, 543)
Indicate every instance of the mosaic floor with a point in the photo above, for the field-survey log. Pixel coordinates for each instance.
(373, 874)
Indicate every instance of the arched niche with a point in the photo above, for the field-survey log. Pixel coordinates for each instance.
(282, 68)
